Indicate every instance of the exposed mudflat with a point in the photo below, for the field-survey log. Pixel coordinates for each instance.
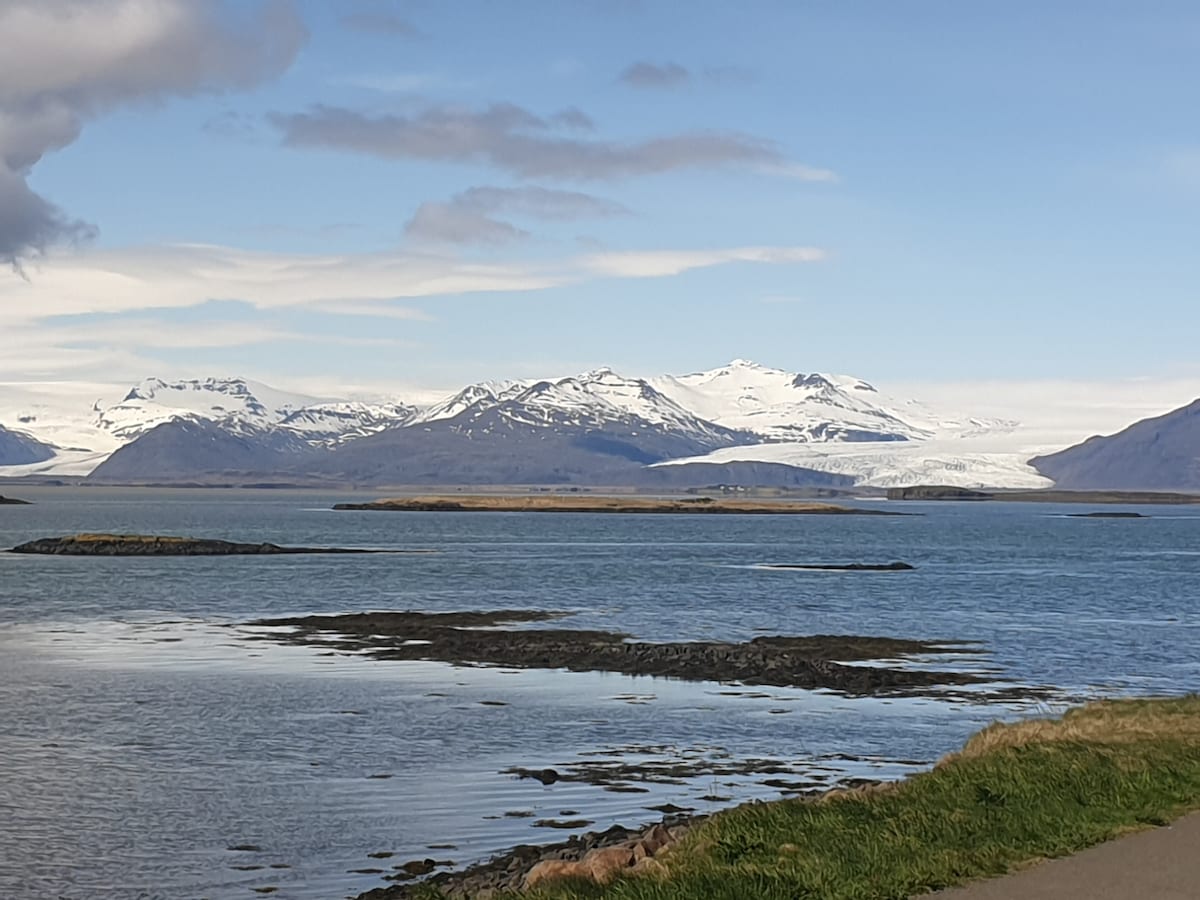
(598, 504)
(152, 545)
(469, 638)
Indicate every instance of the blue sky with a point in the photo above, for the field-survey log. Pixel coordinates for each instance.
(371, 194)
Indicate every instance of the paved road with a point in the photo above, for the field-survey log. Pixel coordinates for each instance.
(1160, 864)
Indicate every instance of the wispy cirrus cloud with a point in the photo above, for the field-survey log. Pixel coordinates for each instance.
(99, 312)
(63, 62)
(386, 283)
(662, 263)
(517, 141)
(470, 217)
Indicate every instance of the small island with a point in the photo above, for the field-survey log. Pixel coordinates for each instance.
(844, 567)
(1107, 515)
(153, 545)
(601, 504)
(12, 501)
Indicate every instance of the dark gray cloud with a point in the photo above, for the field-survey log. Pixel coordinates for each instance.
(65, 61)
(29, 223)
(653, 75)
(448, 223)
(381, 23)
(517, 141)
(471, 217)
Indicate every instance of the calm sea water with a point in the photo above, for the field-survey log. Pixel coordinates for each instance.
(141, 738)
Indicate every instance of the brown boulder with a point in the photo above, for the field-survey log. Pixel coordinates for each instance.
(604, 864)
(553, 870)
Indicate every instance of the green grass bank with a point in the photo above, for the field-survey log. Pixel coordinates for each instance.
(1014, 794)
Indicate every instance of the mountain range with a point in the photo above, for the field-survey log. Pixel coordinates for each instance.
(742, 423)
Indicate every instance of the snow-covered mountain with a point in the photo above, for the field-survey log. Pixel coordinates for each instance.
(246, 407)
(741, 413)
(338, 421)
(589, 400)
(237, 404)
(788, 406)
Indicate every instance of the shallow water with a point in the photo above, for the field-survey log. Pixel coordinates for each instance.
(142, 736)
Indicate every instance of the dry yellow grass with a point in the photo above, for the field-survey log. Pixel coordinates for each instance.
(1101, 722)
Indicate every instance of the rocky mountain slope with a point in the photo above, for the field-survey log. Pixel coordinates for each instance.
(19, 449)
(1156, 454)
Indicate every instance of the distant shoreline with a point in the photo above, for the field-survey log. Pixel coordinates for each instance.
(1048, 495)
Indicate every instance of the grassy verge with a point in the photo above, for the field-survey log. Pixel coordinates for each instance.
(1014, 794)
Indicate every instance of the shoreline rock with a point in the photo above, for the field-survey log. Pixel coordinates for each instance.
(599, 856)
(151, 545)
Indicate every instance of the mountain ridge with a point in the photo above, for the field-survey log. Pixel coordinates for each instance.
(604, 423)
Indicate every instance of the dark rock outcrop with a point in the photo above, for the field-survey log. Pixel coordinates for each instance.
(845, 567)
(1107, 515)
(149, 545)
(816, 661)
(12, 501)
(936, 492)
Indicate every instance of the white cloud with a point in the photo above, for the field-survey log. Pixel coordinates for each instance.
(63, 62)
(356, 284)
(124, 289)
(661, 263)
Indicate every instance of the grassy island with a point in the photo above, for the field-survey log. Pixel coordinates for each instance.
(587, 503)
(1014, 795)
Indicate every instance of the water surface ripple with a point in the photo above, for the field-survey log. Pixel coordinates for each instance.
(142, 738)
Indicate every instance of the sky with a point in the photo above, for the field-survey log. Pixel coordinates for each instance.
(356, 196)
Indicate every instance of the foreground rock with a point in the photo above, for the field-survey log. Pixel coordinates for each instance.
(151, 545)
(598, 504)
(817, 661)
(597, 856)
(12, 501)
